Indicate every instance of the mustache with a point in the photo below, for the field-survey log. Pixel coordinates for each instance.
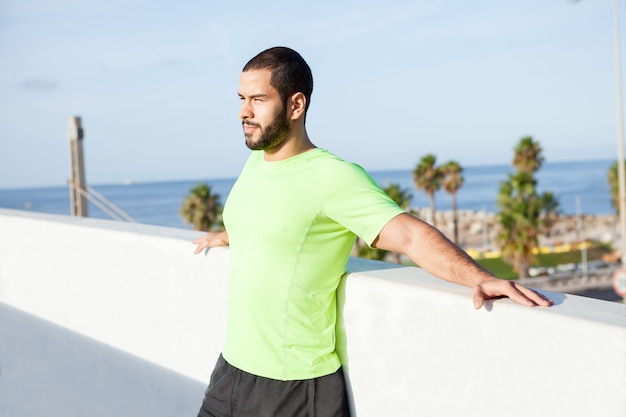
(249, 123)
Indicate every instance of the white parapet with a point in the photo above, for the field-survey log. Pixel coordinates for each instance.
(411, 343)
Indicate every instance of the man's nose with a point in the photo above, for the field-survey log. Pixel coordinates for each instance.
(245, 112)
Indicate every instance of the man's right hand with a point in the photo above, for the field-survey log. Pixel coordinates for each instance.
(210, 240)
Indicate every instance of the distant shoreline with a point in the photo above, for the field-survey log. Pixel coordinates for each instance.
(503, 167)
(477, 229)
(158, 203)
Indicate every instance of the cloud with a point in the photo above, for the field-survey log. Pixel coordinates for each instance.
(37, 84)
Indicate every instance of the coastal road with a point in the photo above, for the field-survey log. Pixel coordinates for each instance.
(607, 294)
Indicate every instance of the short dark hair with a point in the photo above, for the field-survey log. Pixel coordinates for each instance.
(290, 72)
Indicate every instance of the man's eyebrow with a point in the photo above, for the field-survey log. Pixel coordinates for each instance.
(259, 95)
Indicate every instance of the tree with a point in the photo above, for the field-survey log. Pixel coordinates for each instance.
(452, 181)
(521, 208)
(364, 251)
(202, 209)
(427, 176)
(402, 197)
(527, 157)
(613, 181)
(549, 212)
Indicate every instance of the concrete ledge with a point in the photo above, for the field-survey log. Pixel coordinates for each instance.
(135, 287)
(422, 350)
(412, 344)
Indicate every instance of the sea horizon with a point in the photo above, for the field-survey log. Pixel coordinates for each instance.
(580, 186)
(125, 181)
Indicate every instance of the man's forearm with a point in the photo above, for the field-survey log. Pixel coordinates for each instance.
(431, 250)
(436, 254)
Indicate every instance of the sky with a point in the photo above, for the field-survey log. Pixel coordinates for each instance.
(155, 82)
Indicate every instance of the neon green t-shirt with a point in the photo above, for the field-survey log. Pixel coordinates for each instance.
(291, 226)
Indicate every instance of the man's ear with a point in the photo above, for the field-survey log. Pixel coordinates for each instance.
(298, 106)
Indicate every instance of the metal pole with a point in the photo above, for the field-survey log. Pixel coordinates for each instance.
(78, 187)
(620, 133)
(583, 240)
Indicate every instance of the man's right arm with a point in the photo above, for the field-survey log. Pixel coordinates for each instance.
(210, 240)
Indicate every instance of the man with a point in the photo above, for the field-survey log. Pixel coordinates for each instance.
(291, 220)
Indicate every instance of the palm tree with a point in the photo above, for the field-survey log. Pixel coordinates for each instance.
(550, 212)
(521, 207)
(527, 156)
(402, 198)
(427, 176)
(202, 209)
(364, 251)
(519, 221)
(452, 181)
(613, 181)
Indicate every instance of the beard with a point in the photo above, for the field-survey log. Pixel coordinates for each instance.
(272, 135)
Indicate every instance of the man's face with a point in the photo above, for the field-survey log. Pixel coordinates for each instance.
(264, 118)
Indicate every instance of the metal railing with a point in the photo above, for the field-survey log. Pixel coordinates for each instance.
(574, 281)
(102, 203)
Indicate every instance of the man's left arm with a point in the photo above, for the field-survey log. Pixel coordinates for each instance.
(432, 251)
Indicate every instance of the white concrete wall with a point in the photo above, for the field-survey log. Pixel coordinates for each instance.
(48, 370)
(136, 287)
(412, 344)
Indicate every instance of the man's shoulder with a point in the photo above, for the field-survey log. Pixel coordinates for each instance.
(327, 159)
(335, 168)
(335, 174)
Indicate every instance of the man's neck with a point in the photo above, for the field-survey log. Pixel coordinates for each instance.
(295, 144)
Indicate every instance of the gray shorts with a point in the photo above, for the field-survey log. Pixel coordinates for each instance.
(235, 393)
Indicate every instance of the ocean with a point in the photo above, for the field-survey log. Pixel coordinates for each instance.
(157, 203)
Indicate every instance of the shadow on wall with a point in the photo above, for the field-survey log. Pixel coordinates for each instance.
(47, 369)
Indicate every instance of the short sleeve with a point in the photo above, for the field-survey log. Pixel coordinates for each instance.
(351, 197)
